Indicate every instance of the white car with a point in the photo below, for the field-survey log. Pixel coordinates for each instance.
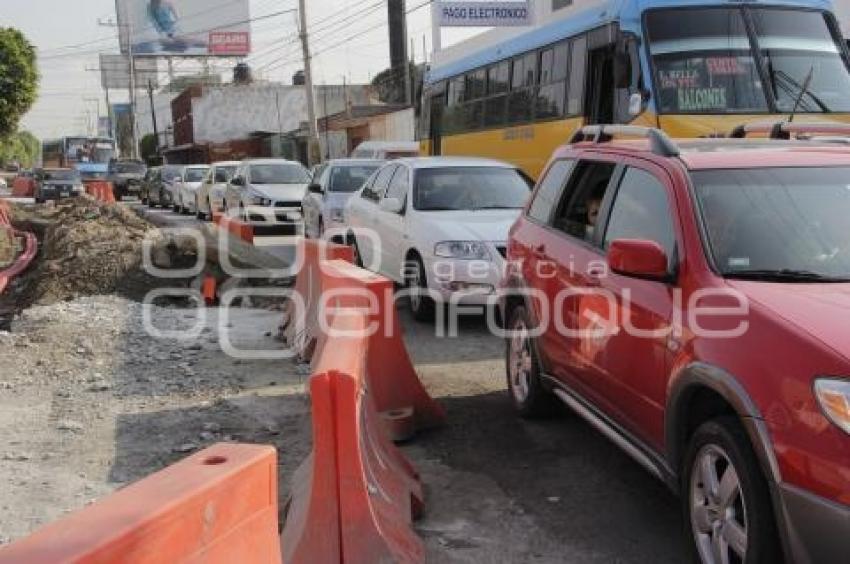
(329, 191)
(438, 225)
(386, 150)
(186, 188)
(268, 192)
(210, 196)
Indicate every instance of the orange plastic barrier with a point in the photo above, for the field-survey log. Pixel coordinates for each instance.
(300, 332)
(376, 491)
(5, 215)
(23, 187)
(101, 191)
(216, 506)
(24, 259)
(397, 391)
(208, 290)
(244, 231)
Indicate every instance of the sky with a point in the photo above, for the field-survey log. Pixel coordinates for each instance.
(69, 38)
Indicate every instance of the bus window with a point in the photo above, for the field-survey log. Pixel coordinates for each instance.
(703, 62)
(521, 101)
(795, 43)
(498, 84)
(551, 98)
(578, 62)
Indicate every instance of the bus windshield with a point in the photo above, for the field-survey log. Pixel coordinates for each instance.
(705, 61)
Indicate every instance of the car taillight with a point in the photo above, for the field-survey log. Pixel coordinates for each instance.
(834, 398)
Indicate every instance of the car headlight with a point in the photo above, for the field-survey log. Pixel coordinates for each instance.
(468, 250)
(78, 188)
(336, 214)
(834, 399)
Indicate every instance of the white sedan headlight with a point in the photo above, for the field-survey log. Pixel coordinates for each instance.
(467, 250)
(834, 399)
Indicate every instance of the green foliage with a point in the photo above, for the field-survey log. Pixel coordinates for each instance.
(18, 79)
(389, 84)
(147, 148)
(22, 147)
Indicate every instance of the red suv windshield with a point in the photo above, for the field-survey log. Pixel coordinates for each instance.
(777, 223)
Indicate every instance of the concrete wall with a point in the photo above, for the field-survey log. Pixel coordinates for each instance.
(397, 126)
(234, 112)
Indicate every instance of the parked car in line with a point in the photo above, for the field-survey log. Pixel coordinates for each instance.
(186, 189)
(126, 177)
(57, 183)
(268, 191)
(149, 192)
(328, 193)
(386, 150)
(171, 176)
(744, 413)
(438, 225)
(210, 196)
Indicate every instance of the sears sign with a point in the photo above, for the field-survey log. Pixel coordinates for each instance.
(484, 14)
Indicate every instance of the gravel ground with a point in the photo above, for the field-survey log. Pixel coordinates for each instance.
(89, 402)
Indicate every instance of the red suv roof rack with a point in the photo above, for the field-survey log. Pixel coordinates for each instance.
(784, 129)
(659, 142)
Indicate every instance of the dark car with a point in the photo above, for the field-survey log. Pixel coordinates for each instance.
(126, 177)
(157, 191)
(149, 192)
(57, 183)
(691, 301)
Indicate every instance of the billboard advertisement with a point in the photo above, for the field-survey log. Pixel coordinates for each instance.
(484, 13)
(185, 28)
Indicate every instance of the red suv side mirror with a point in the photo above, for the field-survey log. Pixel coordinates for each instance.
(639, 259)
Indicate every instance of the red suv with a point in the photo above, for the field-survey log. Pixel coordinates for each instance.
(692, 301)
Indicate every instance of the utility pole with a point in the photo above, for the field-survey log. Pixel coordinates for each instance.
(436, 35)
(134, 150)
(313, 142)
(109, 115)
(153, 115)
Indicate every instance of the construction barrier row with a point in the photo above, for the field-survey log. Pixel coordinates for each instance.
(235, 227)
(299, 332)
(23, 187)
(27, 255)
(216, 506)
(356, 496)
(352, 501)
(101, 191)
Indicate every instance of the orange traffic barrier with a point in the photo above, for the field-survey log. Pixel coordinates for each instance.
(24, 259)
(397, 391)
(23, 187)
(216, 506)
(240, 229)
(208, 290)
(5, 214)
(376, 492)
(101, 191)
(299, 332)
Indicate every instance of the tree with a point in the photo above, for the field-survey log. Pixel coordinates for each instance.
(18, 79)
(21, 147)
(148, 148)
(389, 84)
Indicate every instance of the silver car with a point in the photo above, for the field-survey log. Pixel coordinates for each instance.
(188, 186)
(267, 191)
(330, 190)
(210, 196)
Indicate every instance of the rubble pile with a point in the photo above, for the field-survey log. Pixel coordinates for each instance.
(90, 248)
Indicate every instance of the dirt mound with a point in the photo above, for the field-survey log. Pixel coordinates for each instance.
(87, 248)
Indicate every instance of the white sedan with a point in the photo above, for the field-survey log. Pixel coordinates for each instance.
(186, 189)
(210, 196)
(438, 225)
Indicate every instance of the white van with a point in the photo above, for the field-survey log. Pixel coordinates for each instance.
(386, 150)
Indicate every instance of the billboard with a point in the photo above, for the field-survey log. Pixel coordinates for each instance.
(484, 13)
(115, 72)
(185, 28)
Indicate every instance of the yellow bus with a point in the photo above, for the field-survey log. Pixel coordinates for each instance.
(693, 68)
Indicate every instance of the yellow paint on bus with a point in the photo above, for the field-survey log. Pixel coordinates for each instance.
(530, 146)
